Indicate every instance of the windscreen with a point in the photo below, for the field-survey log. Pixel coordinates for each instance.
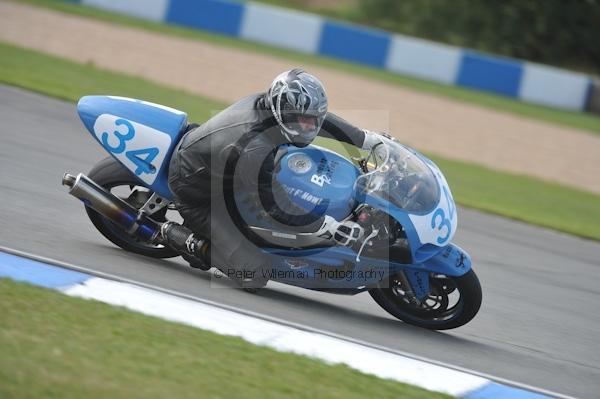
(401, 177)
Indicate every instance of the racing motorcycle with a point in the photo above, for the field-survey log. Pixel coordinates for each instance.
(405, 258)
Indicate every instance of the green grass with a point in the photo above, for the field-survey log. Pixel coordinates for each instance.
(578, 120)
(514, 196)
(55, 346)
(523, 198)
(70, 81)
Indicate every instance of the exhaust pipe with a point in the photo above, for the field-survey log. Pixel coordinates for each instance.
(134, 222)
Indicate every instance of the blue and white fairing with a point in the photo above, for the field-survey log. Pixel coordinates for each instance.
(413, 190)
(407, 186)
(139, 134)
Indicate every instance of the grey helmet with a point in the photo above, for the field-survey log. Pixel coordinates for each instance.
(298, 102)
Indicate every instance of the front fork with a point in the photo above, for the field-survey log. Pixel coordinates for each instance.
(414, 284)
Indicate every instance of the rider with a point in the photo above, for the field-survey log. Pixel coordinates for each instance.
(236, 152)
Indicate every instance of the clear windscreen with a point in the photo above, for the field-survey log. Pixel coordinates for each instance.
(399, 176)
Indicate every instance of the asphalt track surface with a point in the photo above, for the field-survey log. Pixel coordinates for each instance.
(539, 323)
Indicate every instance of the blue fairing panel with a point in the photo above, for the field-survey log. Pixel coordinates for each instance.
(319, 181)
(451, 261)
(139, 134)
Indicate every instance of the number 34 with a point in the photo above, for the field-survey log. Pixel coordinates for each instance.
(444, 223)
(143, 164)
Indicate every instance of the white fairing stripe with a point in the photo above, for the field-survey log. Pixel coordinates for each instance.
(151, 104)
(438, 226)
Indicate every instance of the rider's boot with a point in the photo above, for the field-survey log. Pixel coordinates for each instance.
(182, 239)
(252, 285)
(254, 275)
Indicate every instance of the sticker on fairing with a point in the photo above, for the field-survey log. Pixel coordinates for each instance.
(140, 148)
(437, 227)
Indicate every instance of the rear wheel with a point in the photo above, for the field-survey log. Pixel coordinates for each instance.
(112, 176)
(451, 302)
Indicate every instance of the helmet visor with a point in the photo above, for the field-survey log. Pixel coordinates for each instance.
(306, 126)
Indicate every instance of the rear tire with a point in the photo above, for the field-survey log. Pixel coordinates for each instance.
(466, 308)
(109, 173)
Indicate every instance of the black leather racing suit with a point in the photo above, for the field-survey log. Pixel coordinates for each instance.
(231, 156)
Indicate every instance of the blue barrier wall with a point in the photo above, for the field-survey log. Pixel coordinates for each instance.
(213, 15)
(364, 46)
(397, 53)
(490, 74)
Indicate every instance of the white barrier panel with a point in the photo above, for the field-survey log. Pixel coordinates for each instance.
(554, 87)
(154, 10)
(424, 59)
(282, 28)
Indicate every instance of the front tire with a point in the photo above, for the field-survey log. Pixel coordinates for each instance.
(110, 174)
(447, 314)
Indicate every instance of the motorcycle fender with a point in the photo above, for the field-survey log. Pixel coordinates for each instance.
(451, 261)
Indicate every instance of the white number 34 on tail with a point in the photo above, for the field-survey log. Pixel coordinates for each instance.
(140, 148)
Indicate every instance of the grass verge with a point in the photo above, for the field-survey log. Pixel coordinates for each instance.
(519, 197)
(55, 346)
(578, 120)
(70, 81)
(523, 198)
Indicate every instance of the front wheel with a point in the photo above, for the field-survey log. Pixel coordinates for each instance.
(451, 302)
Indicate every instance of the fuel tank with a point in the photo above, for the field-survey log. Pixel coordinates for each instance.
(318, 180)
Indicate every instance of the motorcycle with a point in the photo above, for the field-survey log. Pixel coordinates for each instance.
(405, 259)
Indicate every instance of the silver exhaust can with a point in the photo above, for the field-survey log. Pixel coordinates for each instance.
(134, 222)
